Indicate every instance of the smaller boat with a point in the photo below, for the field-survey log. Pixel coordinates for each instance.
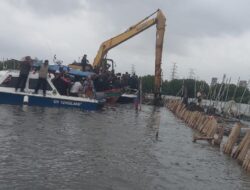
(8, 95)
(129, 96)
(112, 95)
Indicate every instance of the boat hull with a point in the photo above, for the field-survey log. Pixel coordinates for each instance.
(34, 100)
(126, 100)
(112, 95)
(13, 99)
(130, 96)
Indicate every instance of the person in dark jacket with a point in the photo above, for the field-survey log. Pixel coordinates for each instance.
(25, 67)
(61, 85)
(84, 62)
(185, 95)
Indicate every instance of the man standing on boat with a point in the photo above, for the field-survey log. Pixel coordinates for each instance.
(61, 85)
(199, 98)
(25, 67)
(42, 81)
(84, 62)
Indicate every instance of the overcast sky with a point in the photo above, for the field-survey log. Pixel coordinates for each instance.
(209, 36)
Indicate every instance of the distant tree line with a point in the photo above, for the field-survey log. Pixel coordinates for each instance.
(220, 92)
(9, 64)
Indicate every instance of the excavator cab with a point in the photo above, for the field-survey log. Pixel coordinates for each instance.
(107, 64)
(75, 65)
(78, 66)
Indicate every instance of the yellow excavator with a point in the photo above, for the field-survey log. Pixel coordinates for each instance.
(160, 21)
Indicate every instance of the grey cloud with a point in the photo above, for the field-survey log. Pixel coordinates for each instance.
(185, 19)
(201, 18)
(47, 8)
(192, 17)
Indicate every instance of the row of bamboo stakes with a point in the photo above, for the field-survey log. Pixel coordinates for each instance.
(213, 131)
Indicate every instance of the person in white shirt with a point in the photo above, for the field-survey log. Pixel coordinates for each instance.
(199, 98)
(76, 88)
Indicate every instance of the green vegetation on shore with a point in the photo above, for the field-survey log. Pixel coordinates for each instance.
(174, 88)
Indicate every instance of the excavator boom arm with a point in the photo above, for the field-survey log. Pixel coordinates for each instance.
(131, 32)
(147, 22)
(160, 30)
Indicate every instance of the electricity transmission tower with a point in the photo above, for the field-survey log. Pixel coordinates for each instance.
(174, 71)
(191, 74)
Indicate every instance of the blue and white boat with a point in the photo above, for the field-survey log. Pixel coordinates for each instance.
(8, 80)
(129, 96)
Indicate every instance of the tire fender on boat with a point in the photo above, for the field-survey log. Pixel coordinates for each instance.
(25, 99)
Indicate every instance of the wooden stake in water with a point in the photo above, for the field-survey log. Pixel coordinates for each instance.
(232, 139)
(235, 90)
(243, 94)
(140, 92)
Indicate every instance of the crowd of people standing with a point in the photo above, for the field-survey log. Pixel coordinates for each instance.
(74, 86)
(64, 84)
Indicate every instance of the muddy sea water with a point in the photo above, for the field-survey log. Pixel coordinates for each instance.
(113, 149)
